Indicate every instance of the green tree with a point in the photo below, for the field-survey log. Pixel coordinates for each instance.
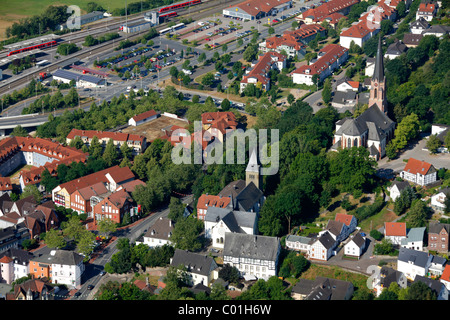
(95, 148)
(110, 155)
(31, 190)
(54, 239)
(420, 291)
(73, 228)
(19, 131)
(126, 151)
(106, 226)
(326, 92)
(225, 105)
(433, 144)
(208, 79)
(418, 214)
(186, 234)
(176, 209)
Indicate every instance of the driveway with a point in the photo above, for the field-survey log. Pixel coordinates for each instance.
(388, 168)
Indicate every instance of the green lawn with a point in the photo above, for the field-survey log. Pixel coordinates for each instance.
(33, 7)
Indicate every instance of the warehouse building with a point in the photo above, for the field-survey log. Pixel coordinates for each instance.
(256, 9)
(81, 80)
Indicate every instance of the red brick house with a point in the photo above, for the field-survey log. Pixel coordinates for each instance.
(114, 206)
(438, 237)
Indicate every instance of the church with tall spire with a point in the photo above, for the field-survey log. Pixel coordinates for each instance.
(378, 82)
(372, 129)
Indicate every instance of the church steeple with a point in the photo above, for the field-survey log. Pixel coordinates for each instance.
(378, 85)
(253, 170)
(378, 73)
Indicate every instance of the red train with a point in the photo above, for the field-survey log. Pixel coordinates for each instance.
(179, 5)
(168, 14)
(37, 46)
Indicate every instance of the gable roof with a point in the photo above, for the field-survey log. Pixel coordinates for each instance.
(345, 218)
(327, 56)
(395, 229)
(418, 258)
(234, 220)
(415, 166)
(194, 262)
(161, 229)
(145, 115)
(251, 246)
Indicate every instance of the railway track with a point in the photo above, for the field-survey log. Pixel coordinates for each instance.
(210, 8)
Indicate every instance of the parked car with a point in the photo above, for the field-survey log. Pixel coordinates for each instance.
(90, 287)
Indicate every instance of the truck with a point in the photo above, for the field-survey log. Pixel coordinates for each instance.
(42, 76)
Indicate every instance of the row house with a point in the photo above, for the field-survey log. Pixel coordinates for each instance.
(322, 289)
(37, 152)
(36, 218)
(33, 289)
(419, 172)
(293, 42)
(328, 59)
(84, 193)
(332, 10)
(61, 266)
(114, 206)
(136, 142)
(255, 256)
(359, 33)
(258, 73)
(14, 264)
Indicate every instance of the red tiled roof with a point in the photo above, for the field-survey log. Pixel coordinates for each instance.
(5, 259)
(332, 53)
(46, 147)
(426, 7)
(205, 201)
(100, 176)
(144, 115)
(395, 229)
(323, 11)
(359, 30)
(344, 218)
(262, 67)
(446, 274)
(116, 136)
(220, 120)
(253, 7)
(415, 166)
(5, 184)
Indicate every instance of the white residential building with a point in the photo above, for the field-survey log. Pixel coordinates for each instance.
(438, 199)
(298, 243)
(219, 222)
(322, 248)
(395, 232)
(396, 189)
(201, 269)
(419, 172)
(159, 233)
(355, 246)
(413, 262)
(414, 239)
(253, 255)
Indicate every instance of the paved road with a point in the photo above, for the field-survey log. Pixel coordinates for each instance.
(387, 168)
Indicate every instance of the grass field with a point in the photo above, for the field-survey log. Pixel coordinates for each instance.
(13, 11)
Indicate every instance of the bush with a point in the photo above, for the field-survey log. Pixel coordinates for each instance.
(377, 235)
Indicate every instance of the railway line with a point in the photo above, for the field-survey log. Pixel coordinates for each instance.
(210, 7)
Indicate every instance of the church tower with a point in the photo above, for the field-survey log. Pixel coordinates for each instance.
(378, 83)
(253, 171)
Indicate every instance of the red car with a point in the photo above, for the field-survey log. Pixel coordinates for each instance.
(207, 39)
(275, 21)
